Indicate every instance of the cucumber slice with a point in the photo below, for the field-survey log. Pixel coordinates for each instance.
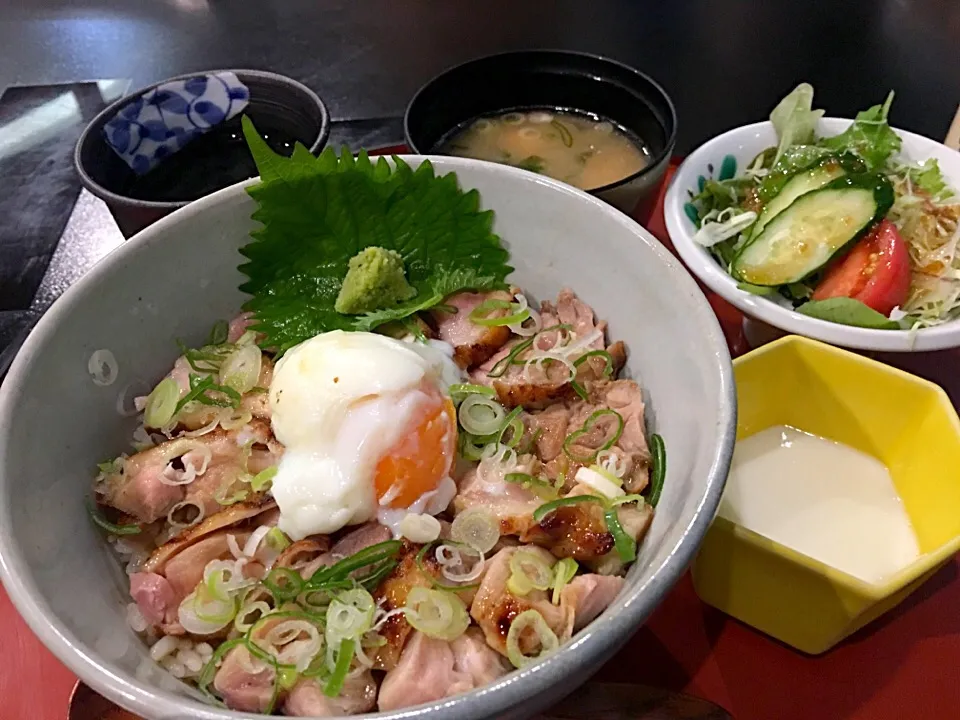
(813, 228)
(799, 184)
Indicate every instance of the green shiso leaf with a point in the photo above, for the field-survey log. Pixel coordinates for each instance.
(317, 213)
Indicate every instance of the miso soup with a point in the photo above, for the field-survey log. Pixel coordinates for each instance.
(584, 151)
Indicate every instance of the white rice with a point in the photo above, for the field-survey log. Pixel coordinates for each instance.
(135, 619)
(181, 656)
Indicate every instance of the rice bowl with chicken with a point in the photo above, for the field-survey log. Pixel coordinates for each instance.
(323, 513)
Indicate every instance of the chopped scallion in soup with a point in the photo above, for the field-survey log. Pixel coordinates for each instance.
(581, 150)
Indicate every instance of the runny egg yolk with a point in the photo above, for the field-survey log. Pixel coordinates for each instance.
(421, 459)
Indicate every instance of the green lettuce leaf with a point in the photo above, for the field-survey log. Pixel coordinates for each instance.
(926, 176)
(317, 213)
(869, 136)
(847, 311)
(794, 118)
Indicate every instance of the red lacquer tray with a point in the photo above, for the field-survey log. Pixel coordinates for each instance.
(902, 667)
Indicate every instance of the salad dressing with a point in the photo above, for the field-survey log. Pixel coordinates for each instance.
(821, 498)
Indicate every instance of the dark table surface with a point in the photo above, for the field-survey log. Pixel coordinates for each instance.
(724, 61)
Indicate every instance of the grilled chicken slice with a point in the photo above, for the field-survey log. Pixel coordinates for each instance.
(589, 595)
(142, 488)
(244, 682)
(511, 504)
(431, 669)
(392, 594)
(495, 607)
(261, 507)
(473, 656)
(547, 430)
(472, 343)
(425, 672)
(307, 699)
(539, 386)
(175, 569)
(576, 531)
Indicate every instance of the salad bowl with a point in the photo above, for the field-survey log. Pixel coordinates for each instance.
(179, 276)
(730, 155)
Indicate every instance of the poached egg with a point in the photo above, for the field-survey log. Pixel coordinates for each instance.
(369, 430)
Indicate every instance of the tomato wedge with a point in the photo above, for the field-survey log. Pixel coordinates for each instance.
(876, 271)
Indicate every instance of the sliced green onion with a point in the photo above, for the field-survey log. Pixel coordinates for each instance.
(514, 424)
(625, 545)
(202, 613)
(658, 472)
(283, 583)
(240, 371)
(587, 427)
(482, 314)
(540, 487)
(560, 481)
(161, 404)
(215, 582)
(480, 415)
(287, 678)
(276, 539)
(607, 370)
(372, 580)
(460, 390)
(529, 620)
(349, 615)
(317, 600)
(528, 571)
(453, 564)
(615, 479)
(205, 360)
(259, 652)
(373, 555)
(344, 658)
(502, 365)
(257, 632)
(200, 391)
(476, 528)
(223, 499)
(436, 583)
(219, 333)
(104, 524)
(608, 358)
(561, 339)
(472, 446)
(263, 479)
(235, 419)
(437, 614)
(413, 327)
(563, 572)
(243, 621)
(544, 510)
(600, 480)
(566, 137)
(318, 667)
(112, 467)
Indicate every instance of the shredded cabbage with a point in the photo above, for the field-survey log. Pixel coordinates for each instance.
(723, 225)
(931, 229)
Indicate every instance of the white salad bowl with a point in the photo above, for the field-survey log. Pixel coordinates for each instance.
(743, 144)
(177, 277)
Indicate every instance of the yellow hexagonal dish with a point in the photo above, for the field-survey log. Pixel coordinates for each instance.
(906, 422)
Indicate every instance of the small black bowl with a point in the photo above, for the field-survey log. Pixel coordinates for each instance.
(551, 79)
(276, 101)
